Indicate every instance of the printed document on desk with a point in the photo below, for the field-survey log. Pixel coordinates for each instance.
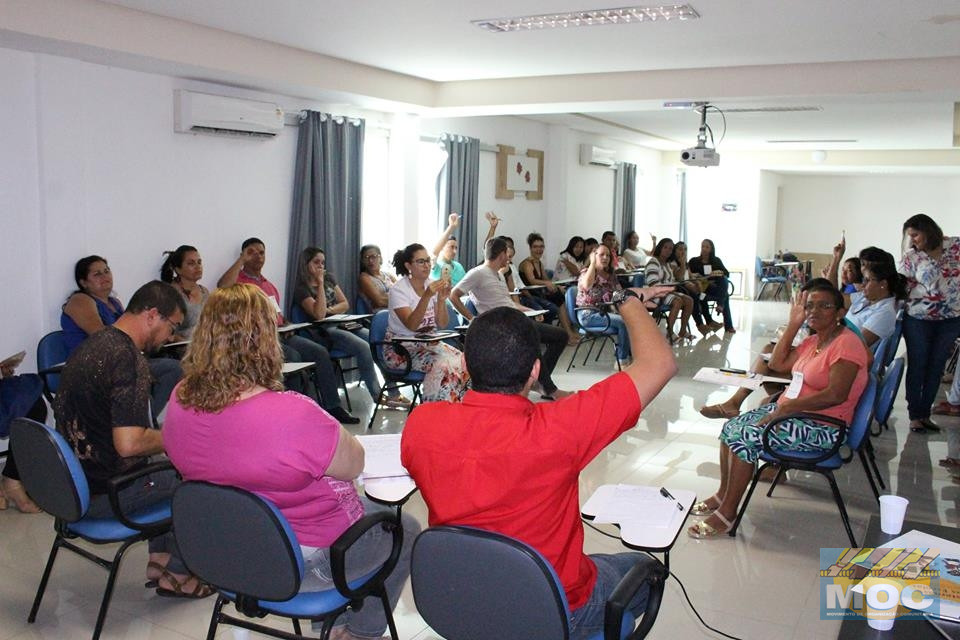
(749, 379)
(293, 327)
(382, 456)
(632, 505)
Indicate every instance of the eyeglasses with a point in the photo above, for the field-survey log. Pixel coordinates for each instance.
(421, 261)
(174, 327)
(372, 256)
(819, 306)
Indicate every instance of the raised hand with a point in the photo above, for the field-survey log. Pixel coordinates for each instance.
(454, 219)
(797, 312)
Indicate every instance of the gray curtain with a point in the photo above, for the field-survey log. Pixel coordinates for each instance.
(624, 199)
(327, 184)
(461, 181)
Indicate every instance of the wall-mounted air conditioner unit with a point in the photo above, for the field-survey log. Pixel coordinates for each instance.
(597, 156)
(206, 113)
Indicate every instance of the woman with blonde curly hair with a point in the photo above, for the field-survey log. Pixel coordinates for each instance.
(229, 422)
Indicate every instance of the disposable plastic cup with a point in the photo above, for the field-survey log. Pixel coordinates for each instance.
(892, 511)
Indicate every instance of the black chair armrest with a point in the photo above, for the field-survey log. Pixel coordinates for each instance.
(117, 483)
(399, 349)
(818, 417)
(338, 554)
(649, 571)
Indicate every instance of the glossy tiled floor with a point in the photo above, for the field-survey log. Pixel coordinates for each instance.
(761, 584)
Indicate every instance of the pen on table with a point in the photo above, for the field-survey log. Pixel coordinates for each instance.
(669, 496)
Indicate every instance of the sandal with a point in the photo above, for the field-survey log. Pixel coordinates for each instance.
(14, 493)
(703, 507)
(918, 427)
(200, 589)
(704, 531)
(949, 462)
(153, 583)
(396, 402)
(718, 411)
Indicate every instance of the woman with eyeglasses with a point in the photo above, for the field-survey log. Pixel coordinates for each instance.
(931, 323)
(872, 307)
(829, 371)
(419, 305)
(92, 307)
(374, 282)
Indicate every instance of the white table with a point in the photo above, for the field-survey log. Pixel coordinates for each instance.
(653, 539)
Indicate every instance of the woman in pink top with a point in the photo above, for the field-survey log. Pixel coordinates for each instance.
(230, 422)
(829, 374)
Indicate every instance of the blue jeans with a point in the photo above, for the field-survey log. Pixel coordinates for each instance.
(300, 349)
(588, 619)
(594, 320)
(166, 374)
(365, 555)
(929, 344)
(358, 346)
(142, 493)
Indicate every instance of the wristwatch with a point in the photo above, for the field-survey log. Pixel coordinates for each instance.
(620, 296)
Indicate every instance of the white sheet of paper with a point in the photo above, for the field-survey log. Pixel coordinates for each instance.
(382, 456)
(637, 504)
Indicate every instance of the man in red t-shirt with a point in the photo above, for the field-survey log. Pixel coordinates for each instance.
(499, 462)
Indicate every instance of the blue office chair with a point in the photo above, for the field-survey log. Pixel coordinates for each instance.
(51, 354)
(470, 584)
(298, 315)
(589, 336)
(887, 393)
(52, 476)
(243, 546)
(879, 351)
(393, 378)
(894, 343)
(362, 307)
(770, 275)
(824, 462)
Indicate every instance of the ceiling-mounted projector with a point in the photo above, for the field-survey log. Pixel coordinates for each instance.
(701, 155)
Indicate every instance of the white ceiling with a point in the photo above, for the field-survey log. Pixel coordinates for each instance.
(434, 39)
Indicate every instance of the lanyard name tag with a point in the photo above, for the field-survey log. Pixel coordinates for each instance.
(796, 384)
(276, 305)
(707, 269)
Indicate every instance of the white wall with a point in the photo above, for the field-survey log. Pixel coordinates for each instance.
(871, 208)
(91, 164)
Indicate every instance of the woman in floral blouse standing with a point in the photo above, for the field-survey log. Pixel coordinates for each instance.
(931, 321)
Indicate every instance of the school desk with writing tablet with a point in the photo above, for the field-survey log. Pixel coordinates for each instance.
(385, 480)
(646, 519)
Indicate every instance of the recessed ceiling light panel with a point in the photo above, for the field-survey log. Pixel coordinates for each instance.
(589, 18)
